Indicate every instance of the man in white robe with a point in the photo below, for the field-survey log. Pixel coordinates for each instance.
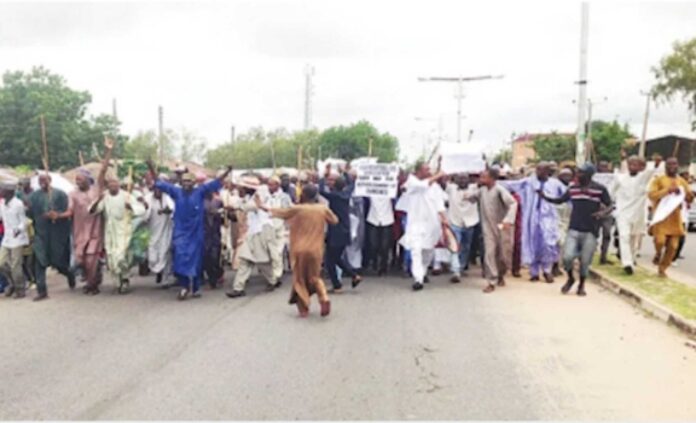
(425, 216)
(161, 225)
(629, 191)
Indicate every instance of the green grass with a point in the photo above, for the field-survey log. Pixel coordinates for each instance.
(668, 292)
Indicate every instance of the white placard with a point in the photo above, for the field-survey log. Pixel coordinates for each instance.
(376, 180)
(461, 158)
(606, 179)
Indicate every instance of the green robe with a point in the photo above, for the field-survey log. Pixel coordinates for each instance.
(51, 239)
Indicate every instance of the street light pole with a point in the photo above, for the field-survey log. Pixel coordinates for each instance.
(641, 150)
(582, 83)
(460, 92)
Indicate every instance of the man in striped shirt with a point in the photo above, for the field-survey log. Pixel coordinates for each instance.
(591, 203)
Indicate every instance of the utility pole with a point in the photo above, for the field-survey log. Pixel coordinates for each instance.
(641, 150)
(580, 137)
(161, 134)
(232, 134)
(309, 91)
(460, 92)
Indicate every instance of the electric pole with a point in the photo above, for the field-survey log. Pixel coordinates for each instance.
(232, 134)
(114, 112)
(580, 137)
(309, 91)
(460, 92)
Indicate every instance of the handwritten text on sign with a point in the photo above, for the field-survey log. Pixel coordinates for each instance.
(376, 180)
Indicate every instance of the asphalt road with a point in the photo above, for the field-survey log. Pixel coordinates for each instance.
(448, 352)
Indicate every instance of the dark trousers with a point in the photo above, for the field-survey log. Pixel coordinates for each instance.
(682, 241)
(212, 267)
(334, 257)
(40, 274)
(605, 227)
(380, 242)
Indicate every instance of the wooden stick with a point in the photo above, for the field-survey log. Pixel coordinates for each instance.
(44, 142)
(82, 159)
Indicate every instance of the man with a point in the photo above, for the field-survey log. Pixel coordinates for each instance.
(338, 191)
(540, 249)
(255, 251)
(425, 214)
(307, 223)
(212, 246)
(463, 216)
(51, 234)
(88, 228)
(119, 210)
(288, 187)
(14, 240)
(629, 193)
(590, 204)
(278, 199)
(159, 218)
(380, 219)
(498, 210)
(607, 223)
(566, 176)
(189, 213)
(667, 193)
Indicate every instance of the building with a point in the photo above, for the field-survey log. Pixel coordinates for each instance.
(522, 151)
(684, 149)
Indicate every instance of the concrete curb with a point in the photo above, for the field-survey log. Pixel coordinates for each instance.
(659, 311)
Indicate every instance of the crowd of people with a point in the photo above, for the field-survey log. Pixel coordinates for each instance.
(186, 230)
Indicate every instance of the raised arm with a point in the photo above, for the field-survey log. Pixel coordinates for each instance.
(108, 148)
(560, 200)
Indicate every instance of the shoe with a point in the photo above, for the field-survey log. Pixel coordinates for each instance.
(158, 279)
(356, 281)
(436, 272)
(489, 288)
(628, 270)
(325, 308)
(417, 286)
(9, 291)
(41, 297)
(556, 270)
(516, 275)
(235, 294)
(19, 294)
(426, 280)
(568, 285)
(455, 279)
(196, 294)
(71, 281)
(183, 294)
(501, 281)
(93, 291)
(548, 278)
(270, 288)
(534, 279)
(603, 261)
(656, 259)
(581, 288)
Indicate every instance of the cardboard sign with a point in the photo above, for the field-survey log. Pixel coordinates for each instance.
(606, 179)
(461, 158)
(376, 180)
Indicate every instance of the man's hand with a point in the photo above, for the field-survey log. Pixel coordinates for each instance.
(506, 226)
(674, 189)
(108, 142)
(17, 232)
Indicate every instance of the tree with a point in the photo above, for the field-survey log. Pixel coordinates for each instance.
(608, 138)
(350, 142)
(503, 156)
(554, 146)
(676, 76)
(24, 98)
(142, 146)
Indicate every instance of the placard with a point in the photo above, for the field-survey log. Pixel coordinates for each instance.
(461, 158)
(376, 180)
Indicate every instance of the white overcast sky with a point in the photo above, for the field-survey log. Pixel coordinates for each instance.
(214, 64)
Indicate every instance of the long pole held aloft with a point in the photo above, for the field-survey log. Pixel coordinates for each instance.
(641, 150)
(580, 138)
(44, 142)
